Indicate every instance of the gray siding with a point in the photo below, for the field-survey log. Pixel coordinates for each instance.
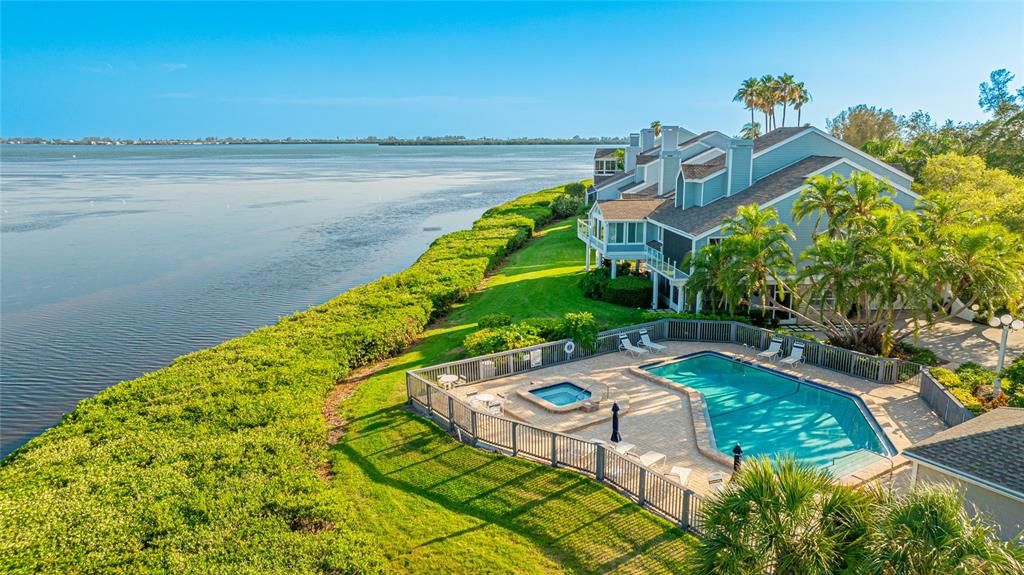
(815, 144)
(692, 194)
(715, 188)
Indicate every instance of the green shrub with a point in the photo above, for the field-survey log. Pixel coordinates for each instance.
(575, 189)
(566, 206)
(594, 283)
(921, 355)
(494, 320)
(656, 315)
(973, 376)
(549, 328)
(629, 291)
(580, 327)
(1013, 382)
(956, 386)
(495, 339)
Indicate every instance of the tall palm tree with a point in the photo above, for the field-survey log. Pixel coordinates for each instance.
(766, 99)
(867, 195)
(656, 125)
(758, 256)
(748, 94)
(784, 518)
(928, 531)
(786, 87)
(801, 97)
(705, 267)
(823, 197)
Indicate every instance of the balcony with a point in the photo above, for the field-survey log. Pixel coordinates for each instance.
(582, 229)
(666, 267)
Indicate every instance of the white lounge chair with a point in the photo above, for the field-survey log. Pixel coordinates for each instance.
(649, 459)
(774, 349)
(796, 355)
(645, 341)
(628, 347)
(682, 473)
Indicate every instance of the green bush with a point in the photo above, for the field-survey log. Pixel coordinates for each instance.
(494, 320)
(222, 446)
(656, 315)
(549, 328)
(566, 206)
(958, 388)
(629, 291)
(495, 339)
(594, 283)
(575, 189)
(921, 355)
(580, 327)
(973, 376)
(1013, 382)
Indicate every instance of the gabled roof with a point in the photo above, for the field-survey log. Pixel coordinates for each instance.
(985, 448)
(641, 189)
(701, 171)
(699, 136)
(628, 209)
(697, 220)
(775, 136)
(647, 158)
(605, 153)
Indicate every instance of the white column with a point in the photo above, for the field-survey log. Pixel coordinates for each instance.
(700, 300)
(654, 290)
(615, 267)
(588, 254)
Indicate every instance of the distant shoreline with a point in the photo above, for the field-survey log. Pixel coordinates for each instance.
(361, 141)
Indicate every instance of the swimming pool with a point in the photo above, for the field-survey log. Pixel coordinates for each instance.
(562, 394)
(767, 412)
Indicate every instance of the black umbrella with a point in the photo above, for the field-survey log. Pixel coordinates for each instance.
(616, 436)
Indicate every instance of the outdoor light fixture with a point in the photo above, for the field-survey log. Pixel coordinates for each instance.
(1007, 322)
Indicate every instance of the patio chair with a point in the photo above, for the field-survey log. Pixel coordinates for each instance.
(681, 473)
(628, 347)
(774, 349)
(649, 459)
(645, 341)
(796, 355)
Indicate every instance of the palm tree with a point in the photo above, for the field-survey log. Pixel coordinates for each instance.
(758, 256)
(656, 125)
(786, 87)
(928, 531)
(823, 197)
(705, 267)
(767, 98)
(785, 518)
(800, 98)
(748, 94)
(751, 131)
(867, 195)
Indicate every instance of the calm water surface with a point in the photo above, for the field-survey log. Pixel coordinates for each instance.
(115, 260)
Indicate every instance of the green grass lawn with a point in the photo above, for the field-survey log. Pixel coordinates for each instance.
(429, 504)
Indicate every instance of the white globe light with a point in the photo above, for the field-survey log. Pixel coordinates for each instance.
(993, 321)
(1017, 324)
(1006, 318)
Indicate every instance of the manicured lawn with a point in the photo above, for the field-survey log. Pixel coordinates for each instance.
(429, 504)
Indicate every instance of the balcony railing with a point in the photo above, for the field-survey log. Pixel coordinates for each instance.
(665, 266)
(582, 229)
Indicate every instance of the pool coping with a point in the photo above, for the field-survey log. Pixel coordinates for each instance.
(701, 418)
(526, 392)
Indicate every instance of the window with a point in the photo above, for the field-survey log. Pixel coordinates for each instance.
(634, 233)
(715, 241)
(615, 235)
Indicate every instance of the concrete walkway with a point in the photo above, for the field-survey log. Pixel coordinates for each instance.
(959, 341)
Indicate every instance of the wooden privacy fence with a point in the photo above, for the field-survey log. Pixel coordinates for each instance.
(650, 489)
(646, 487)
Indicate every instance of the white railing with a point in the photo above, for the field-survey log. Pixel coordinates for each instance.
(665, 266)
(582, 229)
(645, 486)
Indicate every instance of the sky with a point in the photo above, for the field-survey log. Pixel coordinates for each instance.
(156, 70)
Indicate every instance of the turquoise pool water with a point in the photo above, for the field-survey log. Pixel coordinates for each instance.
(562, 393)
(769, 413)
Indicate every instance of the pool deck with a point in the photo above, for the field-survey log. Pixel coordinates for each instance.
(657, 418)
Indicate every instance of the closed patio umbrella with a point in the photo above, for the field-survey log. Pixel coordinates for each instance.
(616, 436)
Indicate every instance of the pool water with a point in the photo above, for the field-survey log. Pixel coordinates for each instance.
(769, 413)
(562, 394)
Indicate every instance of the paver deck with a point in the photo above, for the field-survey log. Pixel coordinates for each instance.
(658, 418)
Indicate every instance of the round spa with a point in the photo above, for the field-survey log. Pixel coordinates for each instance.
(556, 397)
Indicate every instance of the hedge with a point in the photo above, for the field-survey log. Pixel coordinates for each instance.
(962, 392)
(172, 470)
(629, 291)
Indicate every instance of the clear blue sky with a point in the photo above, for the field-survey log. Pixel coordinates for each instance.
(326, 70)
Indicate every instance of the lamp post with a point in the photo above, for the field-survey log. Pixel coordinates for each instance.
(1007, 322)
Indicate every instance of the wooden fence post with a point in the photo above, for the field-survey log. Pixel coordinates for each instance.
(643, 487)
(684, 521)
(472, 420)
(408, 389)
(599, 464)
(515, 441)
(430, 406)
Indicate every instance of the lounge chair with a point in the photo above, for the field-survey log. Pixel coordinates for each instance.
(628, 347)
(649, 459)
(796, 355)
(716, 482)
(682, 473)
(774, 349)
(645, 341)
